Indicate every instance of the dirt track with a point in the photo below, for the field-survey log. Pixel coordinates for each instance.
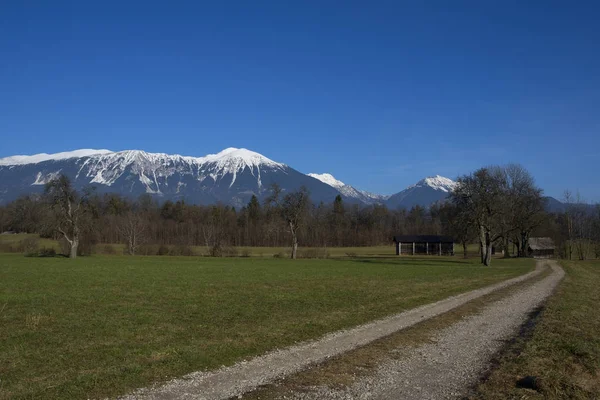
(248, 375)
(458, 357)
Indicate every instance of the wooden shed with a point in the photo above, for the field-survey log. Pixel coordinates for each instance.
(424, 245)
(541, 247)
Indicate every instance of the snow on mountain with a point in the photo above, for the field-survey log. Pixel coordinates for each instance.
(437, 182)
(231, 176)
(152, 167)
(328, 179)
(348, 190)
(37, 158)
(423, 193)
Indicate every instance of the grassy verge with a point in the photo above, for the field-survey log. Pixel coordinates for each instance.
(101, 326)
(561, 359)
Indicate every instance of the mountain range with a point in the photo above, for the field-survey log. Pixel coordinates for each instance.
(231, 176)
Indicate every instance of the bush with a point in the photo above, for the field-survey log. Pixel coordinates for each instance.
(105, 249)
(163, 250)
(313, 252)
(216, 251)
(281, 254)
(31, 246)
(144, 250)
(109, 249)
(245, 253)
(181, 250)
(47, 252)
(230, 251)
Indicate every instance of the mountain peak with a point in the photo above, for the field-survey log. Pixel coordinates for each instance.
(245, 156)
(328, 179)
(349, 191)
(437, 182)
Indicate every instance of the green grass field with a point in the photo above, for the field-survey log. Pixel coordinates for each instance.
(563, 353)
(103, 325)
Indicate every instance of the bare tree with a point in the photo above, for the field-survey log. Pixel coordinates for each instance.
(582, 221)
(569, 211)
(292, 209)
(133, 228)
(482, 196)
(524, 207)
(69, 210)
(458, 222)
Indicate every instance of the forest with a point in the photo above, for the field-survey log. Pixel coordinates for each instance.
(496, 206)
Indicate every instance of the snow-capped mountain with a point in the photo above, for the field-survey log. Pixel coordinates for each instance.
(424, 193)
(231, 176)
(350, 191)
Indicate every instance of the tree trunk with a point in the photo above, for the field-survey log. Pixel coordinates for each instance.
(294, 247)
(74, 246)
(506, 252)
(482, 244)
(464, 245)
(488, 250)
(524, 244)
(294, 240)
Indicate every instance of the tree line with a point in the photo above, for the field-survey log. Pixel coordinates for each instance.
(498, 206)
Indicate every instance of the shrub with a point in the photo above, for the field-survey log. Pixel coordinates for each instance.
(245, 253)
(47, 252)
(181, 250)
(216, 251)
(163, 250)
(281, 254)
(31, 246)
(313, 252)
(105, 249)
(229, 251)
(187, 251)
(109, 249)
(144, 250)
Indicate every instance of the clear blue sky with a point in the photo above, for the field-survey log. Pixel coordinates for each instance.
(379, 94)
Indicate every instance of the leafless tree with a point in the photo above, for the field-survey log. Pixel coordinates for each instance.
(481, 194)
(292, 209)
(458, 222)
(582, 221)
(524, 207)
(69, 209)
(133, 228)
(569, 211)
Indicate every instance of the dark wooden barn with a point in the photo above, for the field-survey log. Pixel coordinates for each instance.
(541, 247)
(424, 245)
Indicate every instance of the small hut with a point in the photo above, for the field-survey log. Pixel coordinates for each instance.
(424, 245)
(541, 247)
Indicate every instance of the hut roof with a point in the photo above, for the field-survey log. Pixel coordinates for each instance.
(541, 243)
(422, 239)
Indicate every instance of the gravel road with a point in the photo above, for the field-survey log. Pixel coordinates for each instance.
(415, 377)
(457, 358)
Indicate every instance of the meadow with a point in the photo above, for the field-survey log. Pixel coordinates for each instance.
(103, 325)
